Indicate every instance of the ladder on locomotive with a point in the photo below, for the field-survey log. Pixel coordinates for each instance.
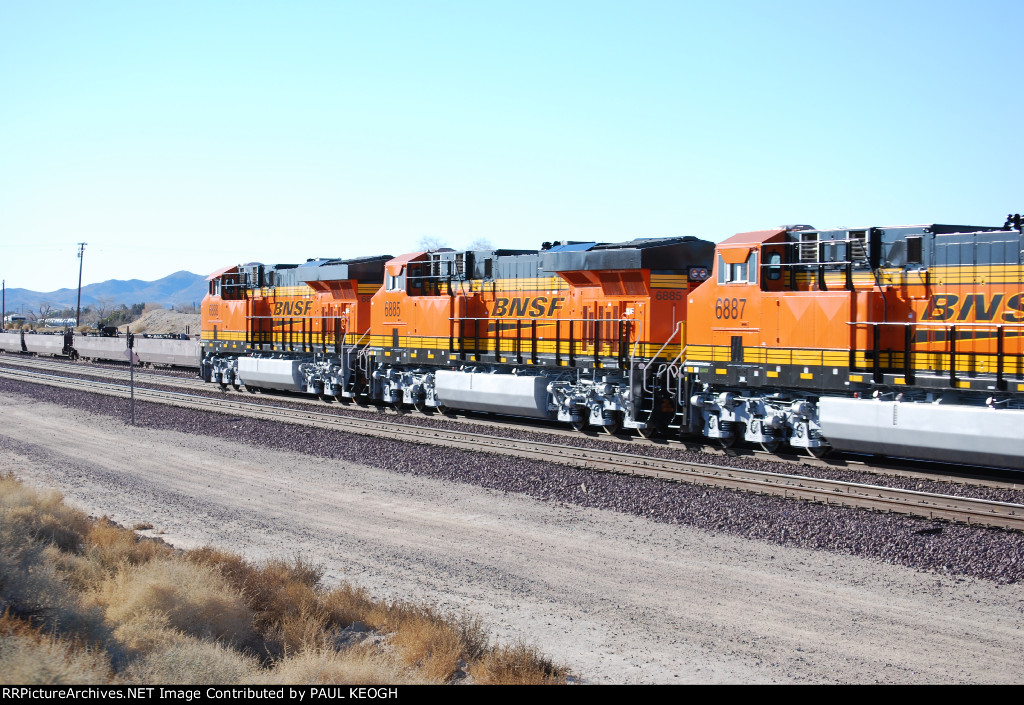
(662, 384)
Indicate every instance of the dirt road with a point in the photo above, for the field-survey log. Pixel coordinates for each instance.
(618, 598)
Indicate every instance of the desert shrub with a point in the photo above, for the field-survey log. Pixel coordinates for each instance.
(518, 664)
(112, 546)
(32, 588)
(190, 598)
(28, 656)
(282, 595)
(42, 513)
(194, 662)
(357, 665)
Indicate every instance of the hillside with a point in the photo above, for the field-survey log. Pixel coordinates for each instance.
(174, 289)
(164, 322)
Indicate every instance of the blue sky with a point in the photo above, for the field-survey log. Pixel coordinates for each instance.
(193, 135)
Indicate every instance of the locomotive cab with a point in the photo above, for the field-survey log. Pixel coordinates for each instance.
(811, 337)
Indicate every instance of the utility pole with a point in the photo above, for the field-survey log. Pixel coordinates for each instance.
(78, 308)
(130, 340)
(3, 314)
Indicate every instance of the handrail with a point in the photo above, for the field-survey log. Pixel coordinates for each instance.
(935, 324)
(655, 356)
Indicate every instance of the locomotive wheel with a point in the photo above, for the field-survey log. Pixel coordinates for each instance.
(770, 446)
(345, 401)
(616, 426)
(399, 408)
(237, 387)
(819, 452)
(727, 442)
(648, 433)
(361, 400)
(325, 398)
(421, 406)
(444, 410)
(580, 425)
(223, 386)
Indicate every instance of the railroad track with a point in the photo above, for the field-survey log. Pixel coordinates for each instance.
(882, 467)
(831, 492)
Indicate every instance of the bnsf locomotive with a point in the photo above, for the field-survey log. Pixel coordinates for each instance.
(896, 340)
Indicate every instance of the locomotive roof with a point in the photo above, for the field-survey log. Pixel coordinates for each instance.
(659, 254)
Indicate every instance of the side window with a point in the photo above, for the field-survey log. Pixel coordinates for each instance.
(775, 266)
(914, 250)
(739, 273)
(395, 282)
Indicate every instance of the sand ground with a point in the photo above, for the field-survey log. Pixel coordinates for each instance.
(618, 598)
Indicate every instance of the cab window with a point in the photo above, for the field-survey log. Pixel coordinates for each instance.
(395, 282)
(739, 273)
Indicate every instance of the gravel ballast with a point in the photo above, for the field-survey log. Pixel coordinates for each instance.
(925, 545)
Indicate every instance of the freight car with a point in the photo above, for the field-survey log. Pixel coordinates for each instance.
(153, 351)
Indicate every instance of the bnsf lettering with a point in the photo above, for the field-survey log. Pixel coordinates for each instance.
(953, 307)
(292, 308)
(1016, 306)
(534, 307)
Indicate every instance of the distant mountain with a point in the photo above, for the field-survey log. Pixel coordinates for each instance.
(178, 288)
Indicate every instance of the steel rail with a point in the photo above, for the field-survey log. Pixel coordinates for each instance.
(830, 492)
(888, 468)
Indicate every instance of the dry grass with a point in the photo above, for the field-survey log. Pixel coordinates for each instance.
(42, 513)
(435, 644)
(194, 662)
(30, 657)
(88, 601)
(358, 665)
(282, 596)
(111, 546)
(193, 599)
(516, 665)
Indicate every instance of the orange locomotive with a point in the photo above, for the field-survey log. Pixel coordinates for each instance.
(901, 340)
(896, 340)
(580, 332)
(289, 327)
(584, 333)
